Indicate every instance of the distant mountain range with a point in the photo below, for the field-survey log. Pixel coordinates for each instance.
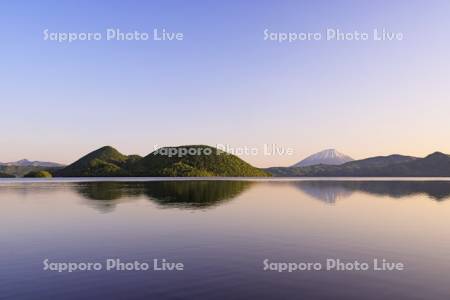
(201, 161)
(27, 163)
(433, 165)
(325, 157)
(165, 162)
(22, 167)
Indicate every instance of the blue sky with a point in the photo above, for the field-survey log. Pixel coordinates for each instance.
(223, 84)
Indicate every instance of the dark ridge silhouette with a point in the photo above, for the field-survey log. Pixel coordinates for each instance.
(434, 165)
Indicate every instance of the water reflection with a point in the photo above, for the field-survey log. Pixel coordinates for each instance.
(224, 247)
(198, 194)
(328, 192)
(331, 191)
(105, 196)
(108, 190)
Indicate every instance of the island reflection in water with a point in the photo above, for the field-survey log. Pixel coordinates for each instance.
(204, 194)
(170, 194)
(222, 231)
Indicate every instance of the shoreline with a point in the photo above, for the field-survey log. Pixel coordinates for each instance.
(255, 179)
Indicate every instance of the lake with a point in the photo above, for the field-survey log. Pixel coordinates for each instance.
(232, 237)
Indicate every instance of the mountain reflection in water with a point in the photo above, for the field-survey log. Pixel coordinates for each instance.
(204, 194)
(331, 191)
(223, 230)
(181, 194)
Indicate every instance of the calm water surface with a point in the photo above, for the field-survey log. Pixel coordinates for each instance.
(222, 231)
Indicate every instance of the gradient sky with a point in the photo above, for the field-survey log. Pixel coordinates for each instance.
(223, 84)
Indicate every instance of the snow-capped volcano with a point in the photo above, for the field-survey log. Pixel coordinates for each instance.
(325, 157)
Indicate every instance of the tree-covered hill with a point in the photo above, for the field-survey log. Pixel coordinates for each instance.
(38, 174)
(4, 175)
(103, 162)
(183, 161)
(200, 160)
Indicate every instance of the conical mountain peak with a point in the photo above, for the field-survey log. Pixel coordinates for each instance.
(324, 157)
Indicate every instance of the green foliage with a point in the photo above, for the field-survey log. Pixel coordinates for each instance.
(216, 163)
(104, 162)
(20, 171)
(180, 169)
(38, 174)
(108, 162)
(4, 175)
